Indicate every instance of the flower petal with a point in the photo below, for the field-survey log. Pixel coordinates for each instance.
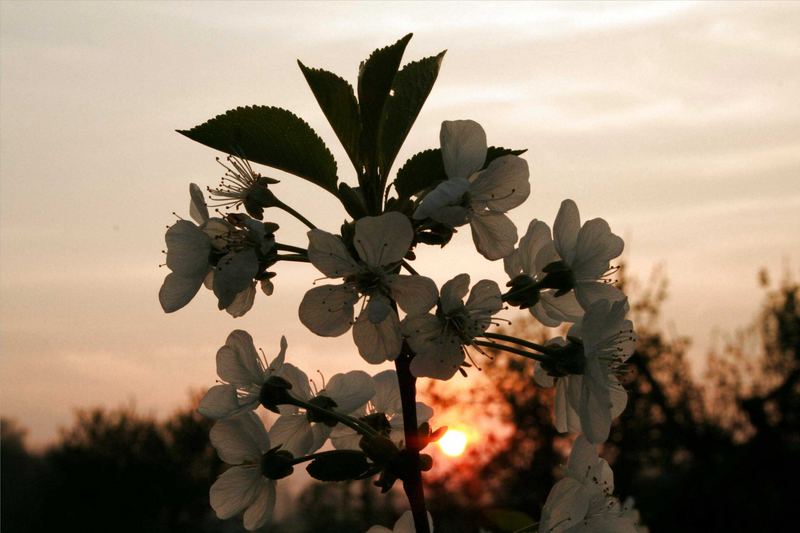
(595, 247)
(235, 490)
(443, 203)
(494, 234)
(243, 301)
(439, 364)
(329, 255)
(198, 209)
(531, 244)
(453, 293)
(566, 506)
(405, 524)
(292, 433)
(297, 379)
(557, 309)
(350, 391)
(387, 392)
(178, 290)
(541, 377)
(222, 401)
(502, 186)
(383, 240)
(463, 147)
(261, 509)
(421, 332)
(565, 230)
(588, 292)
(240, 439)
(238, 362)
(328, 310)
(319, 434)
(414, 294)
(484, 298)
(187, 249)
(234, 273)
(378, 342)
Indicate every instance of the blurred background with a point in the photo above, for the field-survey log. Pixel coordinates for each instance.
(676, 122)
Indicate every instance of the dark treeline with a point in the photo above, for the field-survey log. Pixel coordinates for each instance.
(719, 453)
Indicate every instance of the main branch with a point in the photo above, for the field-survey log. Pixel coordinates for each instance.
(412, 480)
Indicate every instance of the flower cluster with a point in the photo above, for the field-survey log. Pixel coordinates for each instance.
(374, 424)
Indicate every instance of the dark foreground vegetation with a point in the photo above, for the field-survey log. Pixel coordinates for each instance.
(720, 453)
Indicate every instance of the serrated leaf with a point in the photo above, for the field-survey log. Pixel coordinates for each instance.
(425, 169)
(493, 152)
(338, 101)
(270, 136)
(340, 465)
(375, 79)
(422, 171)
(410, 89)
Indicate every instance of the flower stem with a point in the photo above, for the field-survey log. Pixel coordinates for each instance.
(303, 459)
(295, 214)
(515, 340)
(511, 349)
(297, 258)
(289, 248)
(412, 482)
(408, 267)
(348, 421)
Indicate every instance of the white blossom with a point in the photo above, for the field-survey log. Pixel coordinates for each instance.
(298, 431)
(587, 402)
(216, 253)
(404, 525)
(478, 197)
(384, 406)
(439, 340)
(581, 502)
(571, 266)
(243, 372)
(242, 441)
(380, 243)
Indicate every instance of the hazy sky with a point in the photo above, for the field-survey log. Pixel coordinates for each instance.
(679, 123)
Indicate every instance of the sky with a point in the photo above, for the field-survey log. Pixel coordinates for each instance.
(676, 122)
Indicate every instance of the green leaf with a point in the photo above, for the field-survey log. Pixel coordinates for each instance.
(497, 151)
(422, 171)
(375, 78)
(425, 169)
(270, 136)
(340, 465)
(509, 520)
(338, 101)
(410, 89)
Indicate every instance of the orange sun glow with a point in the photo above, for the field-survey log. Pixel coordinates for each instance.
(453, 442)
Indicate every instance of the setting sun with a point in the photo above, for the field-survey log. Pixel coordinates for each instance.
(453, 442)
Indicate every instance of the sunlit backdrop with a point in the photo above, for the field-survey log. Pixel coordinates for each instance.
(677, 122)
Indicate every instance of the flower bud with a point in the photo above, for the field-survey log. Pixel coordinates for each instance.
(524, 292)
(277, 464)
(274, 392)
(380, 449)
(325, 403)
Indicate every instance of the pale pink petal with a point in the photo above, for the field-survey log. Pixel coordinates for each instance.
(502, 186)
(494, 234)
(328, 310)
(383, 240)
(378, 342)
(329, 255)
(464, 147)
(260, 511)
(292, 433)
(240, 439)
(235, 490)
(565, 230)
(415, 295)
(350, 391)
